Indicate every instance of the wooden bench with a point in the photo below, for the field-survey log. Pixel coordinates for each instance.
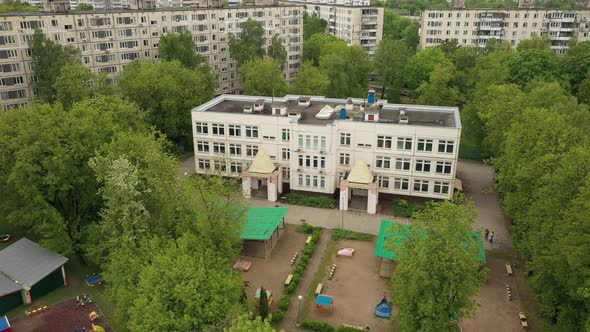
(308, 241)
(523, 322)
(318, 289)
(288, 281)
(509, 269)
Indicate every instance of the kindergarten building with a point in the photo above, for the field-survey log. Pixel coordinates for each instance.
(349, 147)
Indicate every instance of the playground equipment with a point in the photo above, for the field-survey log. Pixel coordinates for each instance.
(523, 322)
(346, 252)
(36, 310)
(93, 316)
(268, 296)
(83, 300)
(93, 280)
(383, 309)
(96, 328)
(324, 304)
(4, 324)
(4, 237)
(332, 270)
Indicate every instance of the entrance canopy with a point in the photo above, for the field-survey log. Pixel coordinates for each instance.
(360, 176)
(262, 222)
(393, 232)
(262, 165)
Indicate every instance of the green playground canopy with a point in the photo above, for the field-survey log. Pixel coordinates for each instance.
(262, 222)
(395, 232)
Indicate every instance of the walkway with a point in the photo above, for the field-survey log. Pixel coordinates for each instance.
(290, 319)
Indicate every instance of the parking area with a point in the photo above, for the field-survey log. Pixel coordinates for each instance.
(356, 288)
(272, 272)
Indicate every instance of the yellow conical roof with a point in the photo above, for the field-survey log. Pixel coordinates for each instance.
(262, 164)
(360, 173)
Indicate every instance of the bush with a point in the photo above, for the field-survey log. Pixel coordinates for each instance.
(346, 234)
(305, 228)
(312, 201)
(284, 303)
(347, 329)
(277, 316)
(401, 208)
(317, 326)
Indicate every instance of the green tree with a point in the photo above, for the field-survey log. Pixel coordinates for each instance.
(263, 304)
(420, 66)
(245, 324)
(536, 42)
(263, 77)
(48, 58)
(180, 47)
(76, 83)
(334, 66)
(439, 270)
(310, 81)
(250, 44)
(84, 7)
(9, 6)
(438, 90)
(167, 91)
(584, 90)
(575, 64)
(400, 28)
(45, 181)
(319, 44)
(277, 51)
(390, 60)
(313, 24)
(530, 64)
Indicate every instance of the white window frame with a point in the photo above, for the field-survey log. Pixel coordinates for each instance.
(423, 166)
(203, 147)
(441, 187)
(426, 143)
(400, 183)
(444, 166)
(345, 139)
(235, 149)
(383, 182)
(344, 159)
(422, 185)
(218, 148)
(383, 162)
(218, 129)
(404, 143)
(445, 146)
(234, 130)
(202, 128)
(384, 142)
(404, 162)
(251, 131)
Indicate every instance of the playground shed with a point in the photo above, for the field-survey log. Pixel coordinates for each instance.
(28, 271)
(393, 232)
(262, 230)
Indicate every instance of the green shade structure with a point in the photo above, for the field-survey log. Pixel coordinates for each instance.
(262, 222)
(396, 233)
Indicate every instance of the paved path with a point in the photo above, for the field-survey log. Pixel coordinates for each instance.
(188, 166)
(289, 321)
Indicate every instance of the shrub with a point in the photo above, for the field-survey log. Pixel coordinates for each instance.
(284, 303)
(312, 201)
(401, 208)
(317, 326)
(346, 234)
(347, 329)
(305, 228)
(277, 316)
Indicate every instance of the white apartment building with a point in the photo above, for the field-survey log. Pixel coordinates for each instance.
(475, 27)
(109, 41)
(357, 24)
(315, 143)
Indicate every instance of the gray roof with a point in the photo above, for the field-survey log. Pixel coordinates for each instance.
(7, 286)
(27, 263)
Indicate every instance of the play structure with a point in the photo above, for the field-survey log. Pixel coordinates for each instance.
(346, 252)
(4, 237)
(93, 280)
(324, 304)
(4, 324)
(243, 265)
(96, 328)
(383, 309)
(268, 296)
(83, 300)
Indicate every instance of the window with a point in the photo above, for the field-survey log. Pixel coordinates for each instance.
(235, 149)
(322, 162)
(301, 141)
(345, 139)
(219, 148)
(285, 135)
(308, 141)
(344, 159)
(401, 184)
(384, 142)
(218, 129)
(285, 154)
(308, 161)
(204, 164)
(322, 182)
(252, 131)
(421, 185)
(422, 165)
(446, 146)
(269, 137)
(235, 168)
(444, 167)
(251, 150)
(383, 162)
(402, 164)
(424, 145)
(219, 165)
(308, 180)
(201, 128)
(404, 143)
(383, 182)
(323, 142)
(316, 142)
(203, 146)
(300, 180)
(234, 130)
(300, 160)
(441, 187)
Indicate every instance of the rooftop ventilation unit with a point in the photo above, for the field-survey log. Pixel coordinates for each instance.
(294, 115)
(325, 113)
(403, 118)
(259, 105)
(247, 109)
(304, 101)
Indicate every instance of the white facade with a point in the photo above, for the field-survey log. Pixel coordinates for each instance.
(415, 159)
(357, 25)
(109, 41)
(475, 27)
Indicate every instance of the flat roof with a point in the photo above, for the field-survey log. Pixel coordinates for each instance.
(262, 222)
(8, 286)
(418, 115)
(397, 233)
(27, 262)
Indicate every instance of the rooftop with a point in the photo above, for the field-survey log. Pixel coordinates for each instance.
(298, 110)
(262, 222)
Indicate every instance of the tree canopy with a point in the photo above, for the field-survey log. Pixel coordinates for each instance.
(313, 24)
(263, 77)
(277, 51)
(76, 83)
(249, 45)
(180, 47)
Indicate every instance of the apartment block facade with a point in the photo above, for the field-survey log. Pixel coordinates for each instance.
(354, 21)
(315, 142)
(109, 41)
(475, 27)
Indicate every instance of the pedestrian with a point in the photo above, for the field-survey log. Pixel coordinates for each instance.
(486, 233)
(492, 237)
